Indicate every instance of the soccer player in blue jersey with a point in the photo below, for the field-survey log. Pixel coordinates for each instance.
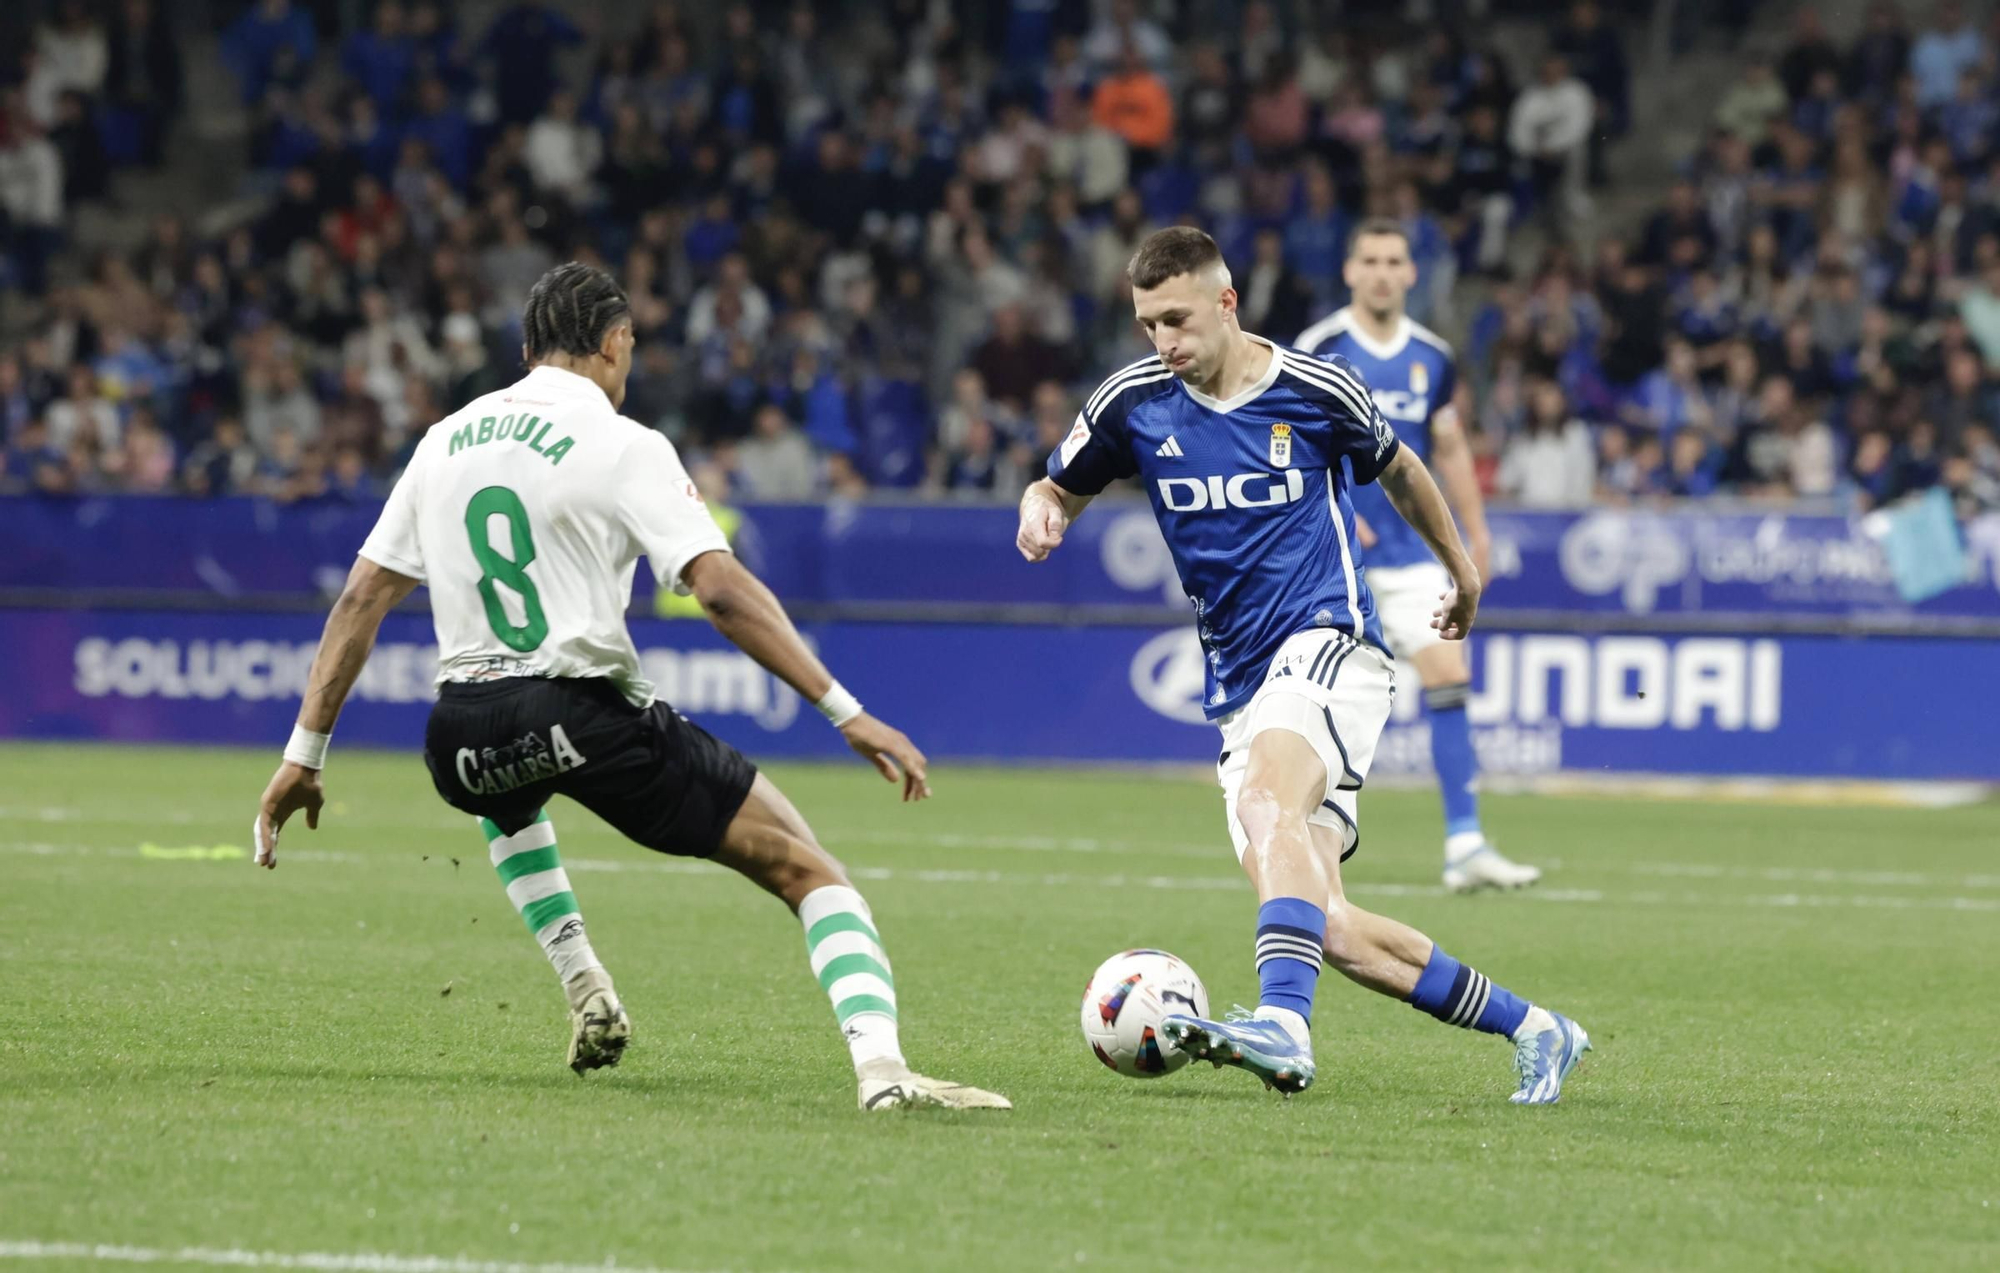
(1244, 449)
(1410, 371)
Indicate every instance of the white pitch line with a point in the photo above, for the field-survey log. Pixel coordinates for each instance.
(1171, 883)
(1807, 875)
(320, 1261)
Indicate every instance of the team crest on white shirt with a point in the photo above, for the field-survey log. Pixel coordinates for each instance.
(1281, 446)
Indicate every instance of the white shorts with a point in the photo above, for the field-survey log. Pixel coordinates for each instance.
(1405, 599)
(1335, 693)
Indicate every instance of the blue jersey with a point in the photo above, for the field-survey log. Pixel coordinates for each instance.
(1252, 497)
(1413, 378)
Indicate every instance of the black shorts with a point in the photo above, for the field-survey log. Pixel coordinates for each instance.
(500, 749)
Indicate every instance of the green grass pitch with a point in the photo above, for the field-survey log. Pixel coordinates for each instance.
(1798, 1038)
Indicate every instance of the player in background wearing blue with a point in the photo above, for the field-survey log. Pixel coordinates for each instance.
(1410, 370)
(1241, 444)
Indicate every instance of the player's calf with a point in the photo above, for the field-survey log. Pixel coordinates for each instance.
(1547, 1045)
(529, 865)
(769, 843)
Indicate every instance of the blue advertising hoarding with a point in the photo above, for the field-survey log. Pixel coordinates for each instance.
(1796, 705)
(1629, 563)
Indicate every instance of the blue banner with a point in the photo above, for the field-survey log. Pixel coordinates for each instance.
(1688, 561)
(1880, 707)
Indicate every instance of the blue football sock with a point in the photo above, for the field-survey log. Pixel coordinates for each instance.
(1291, 936)
(1457, 995)
(1452, 755)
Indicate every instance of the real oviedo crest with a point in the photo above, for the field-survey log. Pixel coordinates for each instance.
(1281, 446)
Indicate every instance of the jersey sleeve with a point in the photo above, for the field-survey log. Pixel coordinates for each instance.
(393, 544)
(1360, 433)
(662, 510)
(1098, 451)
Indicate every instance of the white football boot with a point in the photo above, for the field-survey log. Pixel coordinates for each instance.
(599, 1028)
(1484, 867)
(888, 1084)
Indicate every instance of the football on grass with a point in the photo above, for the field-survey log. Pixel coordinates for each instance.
(1124, 1003)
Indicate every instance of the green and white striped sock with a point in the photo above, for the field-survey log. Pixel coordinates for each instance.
(531, 868)
(847, 956)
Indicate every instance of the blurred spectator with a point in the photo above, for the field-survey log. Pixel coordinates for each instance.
(561, 152)
(1123, 29)
(271, 44)
(31, 193)
(1880, 56)
(70, 56)
(225, 463)
(1593, 50)
(443, 131)
(1270, 299)
(1013, 360)
(144, 462)
(80, 415)
(143, 77)
(1949, 48)
(1549, 127)
(1133, 102)
(277, 402)
(522, 45)
(776, 461)
(983, 464)
(1809, 55)
(35, 465)
(381, 60)
(1552, 463)
(1750, 106)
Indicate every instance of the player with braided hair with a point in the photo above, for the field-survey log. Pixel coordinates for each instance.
(526, 513)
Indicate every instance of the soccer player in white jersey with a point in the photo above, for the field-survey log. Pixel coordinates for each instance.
(1245, 448)
(525, 513)
(1413, 377)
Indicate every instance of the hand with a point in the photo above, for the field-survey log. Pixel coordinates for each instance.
(1042, 525)
(292, 788)
(1453, 617)
(1365, 533)
(891, 752)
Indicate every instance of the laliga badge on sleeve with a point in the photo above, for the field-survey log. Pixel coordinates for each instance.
(1281, 446)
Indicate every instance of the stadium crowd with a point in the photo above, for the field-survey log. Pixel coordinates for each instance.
(868, 247)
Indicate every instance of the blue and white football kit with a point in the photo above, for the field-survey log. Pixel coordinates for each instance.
(1413, 378)
(1253, 497)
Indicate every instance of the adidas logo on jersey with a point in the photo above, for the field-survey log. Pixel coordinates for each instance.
(1170, 448)
(1245, 490)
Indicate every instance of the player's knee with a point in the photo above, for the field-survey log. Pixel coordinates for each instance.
(1275, 831)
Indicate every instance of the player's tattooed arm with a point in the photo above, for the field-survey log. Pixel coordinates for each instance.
(1046, 512)
(1409, 486)
(1451, 454)
(372, 591)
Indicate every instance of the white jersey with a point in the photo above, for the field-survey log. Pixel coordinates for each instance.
(526, 513)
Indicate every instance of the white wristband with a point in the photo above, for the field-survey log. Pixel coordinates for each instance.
(307, 749)
(839, 706)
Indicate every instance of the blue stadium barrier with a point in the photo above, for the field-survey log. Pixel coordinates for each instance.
(1672, 568)
(1799, 705)
(1667, 642)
